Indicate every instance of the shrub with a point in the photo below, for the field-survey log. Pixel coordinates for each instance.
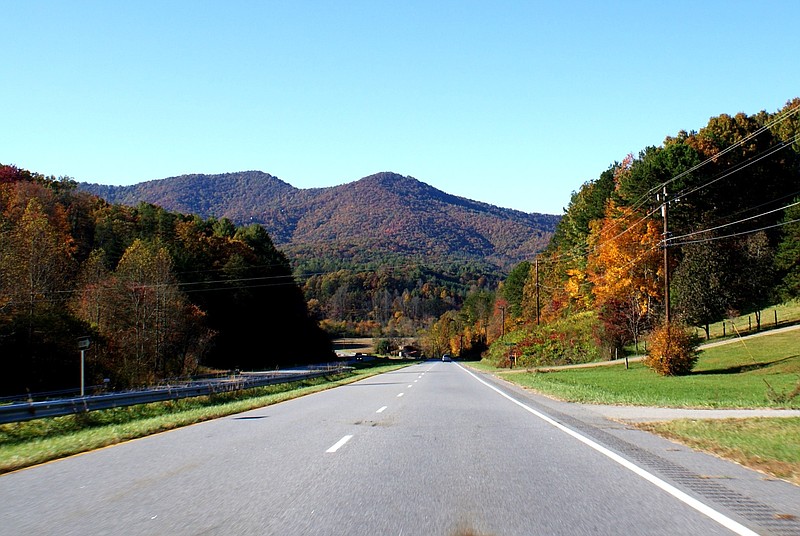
(563, 342)
(383, 346)
(672, 350)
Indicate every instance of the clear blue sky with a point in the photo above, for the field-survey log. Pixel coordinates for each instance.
(515, 103)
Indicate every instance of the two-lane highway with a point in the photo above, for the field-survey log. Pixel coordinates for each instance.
(431, 449)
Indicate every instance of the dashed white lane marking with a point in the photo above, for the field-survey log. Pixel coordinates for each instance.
(401, 394)
(410, 386)
(703, 508)
(339, 444)
(381, 409)
(415, 381)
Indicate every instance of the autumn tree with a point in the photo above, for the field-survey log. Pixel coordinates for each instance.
(35, 262)
(624, 267)
(146, 319)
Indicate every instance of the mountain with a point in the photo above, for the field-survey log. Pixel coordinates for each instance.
(382, 214)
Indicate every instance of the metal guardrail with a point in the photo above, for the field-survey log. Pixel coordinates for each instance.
(25, 411)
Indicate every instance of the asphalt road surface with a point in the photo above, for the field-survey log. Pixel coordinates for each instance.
(432, 449)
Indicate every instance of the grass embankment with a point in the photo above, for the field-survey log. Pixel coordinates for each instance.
(785, 313)
(762, 372)
(33, 442)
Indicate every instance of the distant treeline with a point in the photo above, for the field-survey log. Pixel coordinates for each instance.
(160, 294)
(393, 297)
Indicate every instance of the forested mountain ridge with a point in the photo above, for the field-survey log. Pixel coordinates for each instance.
(236, 196)
(379, 214)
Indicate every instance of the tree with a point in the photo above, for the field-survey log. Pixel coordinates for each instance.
(35, 262)
(787, 257)
(702, 288)
(513, 287)
(477, 309)
(624, 267)
(754, 281)
(147, 315)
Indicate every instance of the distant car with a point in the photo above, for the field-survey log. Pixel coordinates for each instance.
(446, 357)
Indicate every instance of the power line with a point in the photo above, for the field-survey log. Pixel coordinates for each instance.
(741, 166)
(732, 223)
(729, 172)
(752, 231)
(779, 119)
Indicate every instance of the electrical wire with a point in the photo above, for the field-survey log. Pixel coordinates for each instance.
(733, 235)
(732, 223)
(779, 119)
(769, 152)
(731, 171)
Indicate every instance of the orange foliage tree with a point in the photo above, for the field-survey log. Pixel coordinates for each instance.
(624, 269)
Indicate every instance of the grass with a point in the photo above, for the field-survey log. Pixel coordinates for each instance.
(786, 313)
(768, 445)
(41, 440)
(754, 373)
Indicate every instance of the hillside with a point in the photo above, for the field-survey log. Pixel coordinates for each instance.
(363, 220)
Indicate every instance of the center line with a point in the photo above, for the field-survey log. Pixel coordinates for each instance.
(381, 410)
(401, 394)
(340, 443)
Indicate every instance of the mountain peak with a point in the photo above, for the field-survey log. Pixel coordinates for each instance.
(367, 218)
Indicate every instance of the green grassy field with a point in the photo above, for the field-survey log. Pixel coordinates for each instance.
(752, 373)
(33, 442)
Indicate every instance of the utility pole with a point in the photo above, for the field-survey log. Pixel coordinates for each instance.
(537, 291)
(666, 256)
(503, 322)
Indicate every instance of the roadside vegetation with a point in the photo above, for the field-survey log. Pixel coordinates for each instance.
(766, 444)
(760, 372)
(33, 442)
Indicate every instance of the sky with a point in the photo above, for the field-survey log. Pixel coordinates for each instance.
(514, 103)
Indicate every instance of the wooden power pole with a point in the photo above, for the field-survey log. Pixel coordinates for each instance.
(537, 291)
(666, 256)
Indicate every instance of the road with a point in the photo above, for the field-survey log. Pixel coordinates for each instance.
(432, 449)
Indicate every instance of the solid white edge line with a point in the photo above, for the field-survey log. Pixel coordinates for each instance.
(339, 444)
(381, 409)
(703, 508)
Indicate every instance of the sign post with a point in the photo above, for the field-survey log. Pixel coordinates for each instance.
(83, 344)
